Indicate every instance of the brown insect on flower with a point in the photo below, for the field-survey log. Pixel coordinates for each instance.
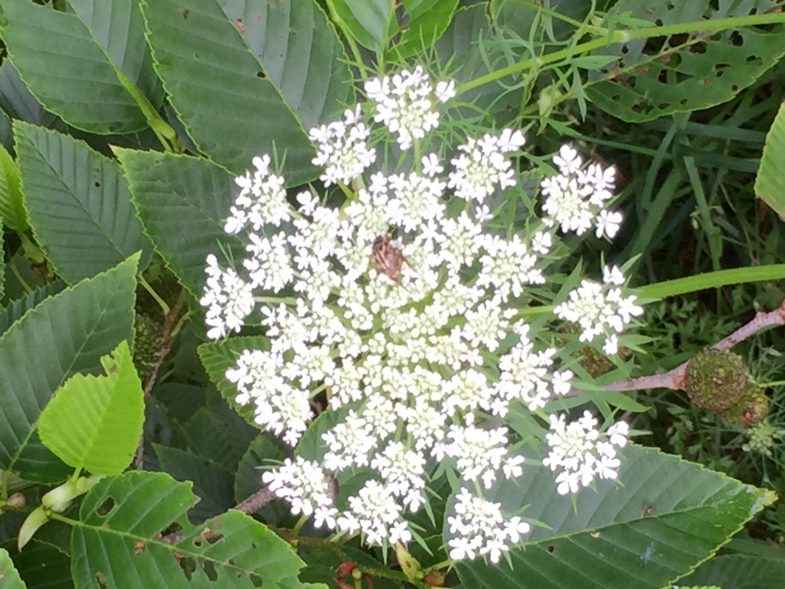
(386, 258)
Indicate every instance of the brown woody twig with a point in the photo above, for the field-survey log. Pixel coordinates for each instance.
(674, 379)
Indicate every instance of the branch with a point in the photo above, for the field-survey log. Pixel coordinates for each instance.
(170, 321)
(674, 379)
(255, 502)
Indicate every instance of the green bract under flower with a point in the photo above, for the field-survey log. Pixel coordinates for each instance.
(400, 306)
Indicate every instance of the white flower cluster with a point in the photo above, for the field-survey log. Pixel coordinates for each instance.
(479, 528)
(405, 103)
(600, 309)
(580, 452)
(575, 198)
(391, 306)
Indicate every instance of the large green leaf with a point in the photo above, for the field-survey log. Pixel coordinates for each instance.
(686, 72)
(79, 204)
(212, 482)
(770, 181)
(660, 520)
(739, 571)
(300, 52)
(220, 90)
(16, 99)
(9, 576)
(95, 422)
(426, 22)
(371, 22)
(96, 88)
(12, 211)
(118, 543)
(218, 433)
(218, 356)
(65, 334)
(182, 202)
(118, 28)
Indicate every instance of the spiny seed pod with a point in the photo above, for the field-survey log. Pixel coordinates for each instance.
(147, 343)
(715, 379)
(594, 362)
(750, 409)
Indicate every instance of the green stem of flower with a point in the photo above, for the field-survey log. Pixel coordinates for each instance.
(773, 383)
(440, 565)
(623, 36)
(300, 523)
(161, 303)
(358, 59)
(284, 300)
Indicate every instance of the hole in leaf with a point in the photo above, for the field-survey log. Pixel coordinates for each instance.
(187, 565)
(754, 60)
(197, 542)
(97, 184)
(105, 507)
(261, 74)
(209, 570)
(550, 548)
(183, 12)
(736, 39)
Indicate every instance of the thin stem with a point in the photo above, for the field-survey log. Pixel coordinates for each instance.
(349, 41)
(161, 303)
(300, 523)
(21, 280)
(285, 300)
(623, 36)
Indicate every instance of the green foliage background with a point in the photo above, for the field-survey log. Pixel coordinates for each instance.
(121, 126)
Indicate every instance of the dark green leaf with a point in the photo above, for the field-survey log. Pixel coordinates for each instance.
(70, 73)
(370, 22)
(117, 541)
(182, 202)
(95, 422)
(212, 482)
(770, 181)
(262, 452)
(218, 433)
(71, 190)
(118, 28)
(221, 92)
(738, 571)
(16, 99)
(19, 307)
(300, 52)
(426, 22)
(218, 356)
(686, 72)
(65, 334)
(666, 517)
(42, 565)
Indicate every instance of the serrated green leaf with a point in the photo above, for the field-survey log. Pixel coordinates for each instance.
(212, 482)
(221, 92)
(371, 22)
(739, 571)
(9, 576)
(118, 28)
(95, 422)
(216, 357)
(17, 308)
(770, 181)
(686, 72)
(659, 520)
(300, 52)
(42, 565)
(12, 210)
(16, 99)
(117, 541)
(71, 190)
(65, 334)
(426, 22)
(218, 433)
(63, 63)
(182, 202)
(6, 140)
